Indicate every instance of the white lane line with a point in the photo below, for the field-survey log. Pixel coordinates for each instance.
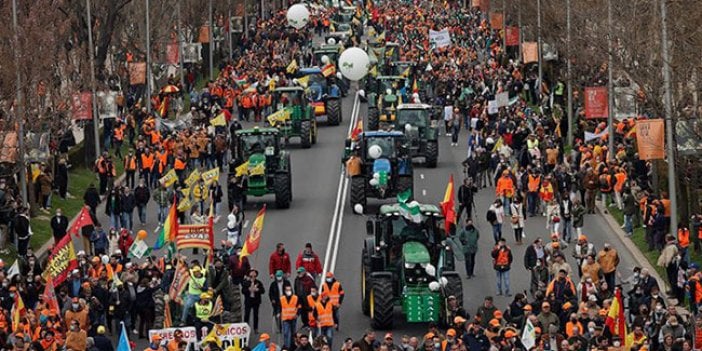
(246, 223)
(424, 192)
(421, 175)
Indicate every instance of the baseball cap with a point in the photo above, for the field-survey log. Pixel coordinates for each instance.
(388, 336)
(451, 332)
(301, 270)
(156, 338)
(494, 322)
(278, 274)
(459, 320)
(510, 333)
(265, 336)
(101, 329)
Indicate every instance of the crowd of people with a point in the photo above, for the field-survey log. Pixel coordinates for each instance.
(518, 149)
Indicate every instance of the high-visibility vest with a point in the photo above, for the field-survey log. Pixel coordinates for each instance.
(246, 101)
(546, 192)
(288, 308)
(334, 293)
(312, 304)
(130, 163)
(162, 158)
(203, 311)
(684, 237)
(619, 180)
(119, 133)
(147, 161)
(100, 165)
(534, 182)
(502, 258)
(666, 207)
(179, 164)
(325, 314)
(698, 289)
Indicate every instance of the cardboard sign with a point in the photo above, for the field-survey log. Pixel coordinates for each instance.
(137, 73)
(502, 99)
(189, 336)
(107, 104)
(204, 36)
(650, 139)
(530, 52)
(497, 20)
(192, 52)
(82, 105)
(231, 333)
(512, 36)
(596, 104)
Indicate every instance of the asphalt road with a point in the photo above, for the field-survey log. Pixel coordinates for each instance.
(315, 184)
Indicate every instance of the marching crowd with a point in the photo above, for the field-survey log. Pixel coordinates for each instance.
(584, 304)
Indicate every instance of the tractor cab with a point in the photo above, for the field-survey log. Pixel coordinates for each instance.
(331, 51)
(324, 92)
(387, 93)
(293, 115)
(257, 141)
(421, 129)
(404, 68)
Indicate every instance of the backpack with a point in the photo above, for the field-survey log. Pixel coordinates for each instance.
(491, 216)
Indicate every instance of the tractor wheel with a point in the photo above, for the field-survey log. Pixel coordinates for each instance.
(306, 134)
(404, 183)
(381, 303)
(431, 154)
(373, 118)
(283, 188)
(358, 191)
(365, 282)
(333, 110)
(454, 286)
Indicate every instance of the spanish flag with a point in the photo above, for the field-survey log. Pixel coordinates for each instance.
(253, 240)
(18, 311)
(327, 71)
(163, 108)
(448, 206)
(615, 316)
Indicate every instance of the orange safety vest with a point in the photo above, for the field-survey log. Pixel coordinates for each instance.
(534, 182)
(246, 101)
(325, 314)
(312, 303)
(684, 237)
(100, 165)
(605, 181)
(162, 158)
(147, 161)
(119, 132)
(130, 163)
(179, 164)
(288, 308)
(666, 207)
(698, 289)
(334, 293)
(620, 178)
(502, 258)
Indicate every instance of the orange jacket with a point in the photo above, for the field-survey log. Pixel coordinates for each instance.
(505, 186)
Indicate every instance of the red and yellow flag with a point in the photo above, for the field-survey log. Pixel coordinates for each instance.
(18, 311)
(357, 130)
(163, 108)
(254, 238)
(448, 206)
(328, 70)
(615, 316)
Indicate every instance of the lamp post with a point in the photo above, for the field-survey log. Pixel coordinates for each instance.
(19, 110)
(667, 99)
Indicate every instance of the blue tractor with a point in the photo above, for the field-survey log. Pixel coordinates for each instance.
(324, 93)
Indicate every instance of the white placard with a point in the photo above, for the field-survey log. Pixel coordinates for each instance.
(441, 38)
(502, 99)
(492, 107)
(191, 52)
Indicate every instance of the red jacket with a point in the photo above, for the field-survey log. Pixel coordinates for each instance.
(279, 262)
(310, 262)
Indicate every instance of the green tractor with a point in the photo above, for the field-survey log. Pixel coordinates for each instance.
(407, 261)
(259, 152)
(379, 166)
(294, 117)
(383, 98)
(420, 125)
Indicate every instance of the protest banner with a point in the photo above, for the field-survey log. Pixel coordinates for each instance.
(496, 20)
(61, 262)
(172, 53)
(81, 105)
(650, 139)
(137, 73)
(530, 52)
(441, 38)
(189, 336)
(107, 104)
(193, 236)
(512, 36)
(230, 334)
(596, 105)
(502, 99)
(210, 176)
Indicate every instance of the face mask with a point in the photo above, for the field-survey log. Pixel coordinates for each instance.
(617, 344)
(655, 296)
(75, 306)
(659, 307)
(591, 330)
(437, 345)
(329, 280)
(313, 294)
(74, 328)
(288, 293)
(5, 284)
(573, 320)
(12, 295)
(513, 340)
(278, 278)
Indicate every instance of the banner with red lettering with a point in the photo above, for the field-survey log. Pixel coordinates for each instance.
(596, 105)
(512, 36)
(82, 105)
(193, 236)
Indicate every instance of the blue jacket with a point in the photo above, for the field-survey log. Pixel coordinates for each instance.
(99, 239)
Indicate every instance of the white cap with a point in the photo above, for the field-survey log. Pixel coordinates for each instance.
(75, 271)
(81, 253)
(118, 252)
(128, 265)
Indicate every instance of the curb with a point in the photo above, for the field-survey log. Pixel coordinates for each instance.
(641, 260)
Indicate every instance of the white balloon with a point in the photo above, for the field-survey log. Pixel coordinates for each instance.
(375, 151)
(298, 16)
(376, 175)
(444, 281)
(434, 286)
(354, 63)
(105, 259)
(358, 208)
(373, 181)
(325, 59)
(331, 41)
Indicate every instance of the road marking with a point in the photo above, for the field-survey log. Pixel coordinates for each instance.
(424, 192)
(337, 219)
(246, 223)
(421, 175)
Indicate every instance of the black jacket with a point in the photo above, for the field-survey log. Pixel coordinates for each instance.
(141, 195)
(22, 227)
(59, 227)
(127, 203)
(254, 299)
(274, 294)
(466, 193)
(91, 197)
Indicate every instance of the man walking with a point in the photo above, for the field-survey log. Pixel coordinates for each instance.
(141, 198)
(59, 225)
(608, 260)
(502, 261)
(469, 236)
(465, 198)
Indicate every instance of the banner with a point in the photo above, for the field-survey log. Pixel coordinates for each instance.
(502, 99)
(137, 73)
(592, 136)
(512, 36)
(184, 204)
(107, 105)
(441, 38)
(193, 236)
(231, 333)
(530, 52)
(138, 248)
(210, 176)
(650, 139)
(204, 36)
(596, 105)
(172, 53)
(169, 178)
(236, 23)
(496, 20)
(279, 117)
(81, 105)
(180, 281)
(624, 102)
(191, 52)
(189, 336)
(61, 262)
(192, 178)
(492, 108)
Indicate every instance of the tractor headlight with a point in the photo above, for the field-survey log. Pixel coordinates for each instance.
(382, 243)
(434, 286)
(444, 281)
(408, 265)
(377, 248)
(430, 269)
